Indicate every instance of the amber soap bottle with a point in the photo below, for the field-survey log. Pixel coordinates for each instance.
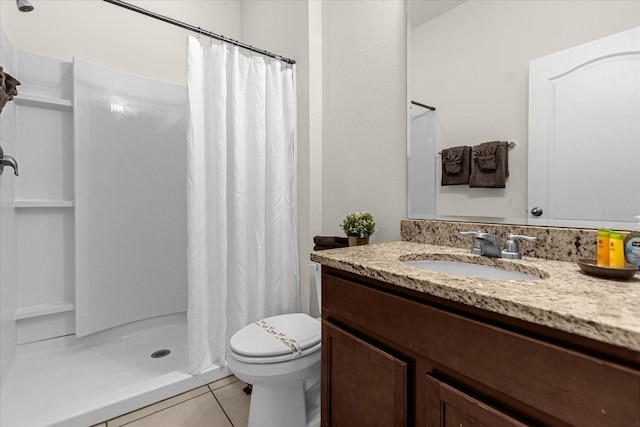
(602, 249)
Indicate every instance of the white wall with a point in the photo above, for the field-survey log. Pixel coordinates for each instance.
(472, 64)
(364, 114)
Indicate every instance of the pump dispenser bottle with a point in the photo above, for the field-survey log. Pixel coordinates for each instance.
(632, 246)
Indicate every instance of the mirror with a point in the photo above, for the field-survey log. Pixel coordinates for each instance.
(471, 62)
(584, 105)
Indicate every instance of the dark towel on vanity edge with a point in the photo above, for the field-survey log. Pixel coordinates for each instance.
(456, 165)
(489, 165)
(329, 242)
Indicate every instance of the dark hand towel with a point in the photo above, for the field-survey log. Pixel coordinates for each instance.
(8, 88)
(456, 165)
(489, 165)
(324, 248)
(330, 242)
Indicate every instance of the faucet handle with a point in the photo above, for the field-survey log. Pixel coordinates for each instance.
(516, 237)
(469, 233)
(511, 248)
(477, 246)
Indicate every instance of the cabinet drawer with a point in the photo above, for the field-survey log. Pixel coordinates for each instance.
(449, 407)
(570, 386)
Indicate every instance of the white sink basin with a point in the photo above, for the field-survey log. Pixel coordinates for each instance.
(470, 270)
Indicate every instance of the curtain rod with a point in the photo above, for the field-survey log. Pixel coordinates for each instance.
(417, 103)
(198, 30)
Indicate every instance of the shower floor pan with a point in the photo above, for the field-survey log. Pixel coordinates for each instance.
(80, 382)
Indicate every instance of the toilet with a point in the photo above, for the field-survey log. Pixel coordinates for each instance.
(280, 357)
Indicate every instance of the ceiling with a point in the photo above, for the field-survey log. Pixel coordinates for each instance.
(421, 11)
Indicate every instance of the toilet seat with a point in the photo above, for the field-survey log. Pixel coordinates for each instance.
(253, 344)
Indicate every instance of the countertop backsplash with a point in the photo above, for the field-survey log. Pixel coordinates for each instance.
(554, 243)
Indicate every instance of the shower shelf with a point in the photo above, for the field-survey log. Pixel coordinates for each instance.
(40, 101)
(42, 203)
(43, 310)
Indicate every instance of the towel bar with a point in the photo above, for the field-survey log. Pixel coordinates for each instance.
(510, 144)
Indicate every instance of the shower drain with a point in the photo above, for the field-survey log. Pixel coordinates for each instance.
(160, 353)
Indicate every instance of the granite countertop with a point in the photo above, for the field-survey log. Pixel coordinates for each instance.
(565, 298)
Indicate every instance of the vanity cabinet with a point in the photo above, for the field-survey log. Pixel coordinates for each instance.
(363, 377)
(392, 356)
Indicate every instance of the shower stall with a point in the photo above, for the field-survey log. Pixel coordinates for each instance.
(94, 243)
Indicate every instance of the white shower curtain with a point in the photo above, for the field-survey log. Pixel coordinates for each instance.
(241, 196)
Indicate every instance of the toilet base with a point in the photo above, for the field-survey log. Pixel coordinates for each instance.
(267, 402)
(284, 401)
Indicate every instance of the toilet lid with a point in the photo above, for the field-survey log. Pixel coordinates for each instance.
(254, 340)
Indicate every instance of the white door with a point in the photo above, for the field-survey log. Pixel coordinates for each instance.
(584, 134)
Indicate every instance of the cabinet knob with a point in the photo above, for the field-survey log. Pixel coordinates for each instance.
(536, 211)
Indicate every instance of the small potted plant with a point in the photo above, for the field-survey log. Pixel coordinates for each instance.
(358, 227)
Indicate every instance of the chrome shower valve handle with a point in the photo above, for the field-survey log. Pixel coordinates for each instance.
(8, 161)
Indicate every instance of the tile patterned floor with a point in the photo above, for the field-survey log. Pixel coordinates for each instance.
(220, 404)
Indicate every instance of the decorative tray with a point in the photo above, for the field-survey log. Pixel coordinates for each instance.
(590, 266)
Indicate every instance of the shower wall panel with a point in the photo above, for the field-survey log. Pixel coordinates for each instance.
(8, 238)
(46, 140)
(130, 197)
(43, 199)
(421, 166)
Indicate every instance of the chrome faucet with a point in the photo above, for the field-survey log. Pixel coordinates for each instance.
(486, 244)
(8, 161)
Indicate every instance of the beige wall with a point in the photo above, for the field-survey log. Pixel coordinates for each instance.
(364, 114)
(109, 35)
(472, 64)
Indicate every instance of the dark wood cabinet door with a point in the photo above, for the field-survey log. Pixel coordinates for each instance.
(362, 385)
(450, 407)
